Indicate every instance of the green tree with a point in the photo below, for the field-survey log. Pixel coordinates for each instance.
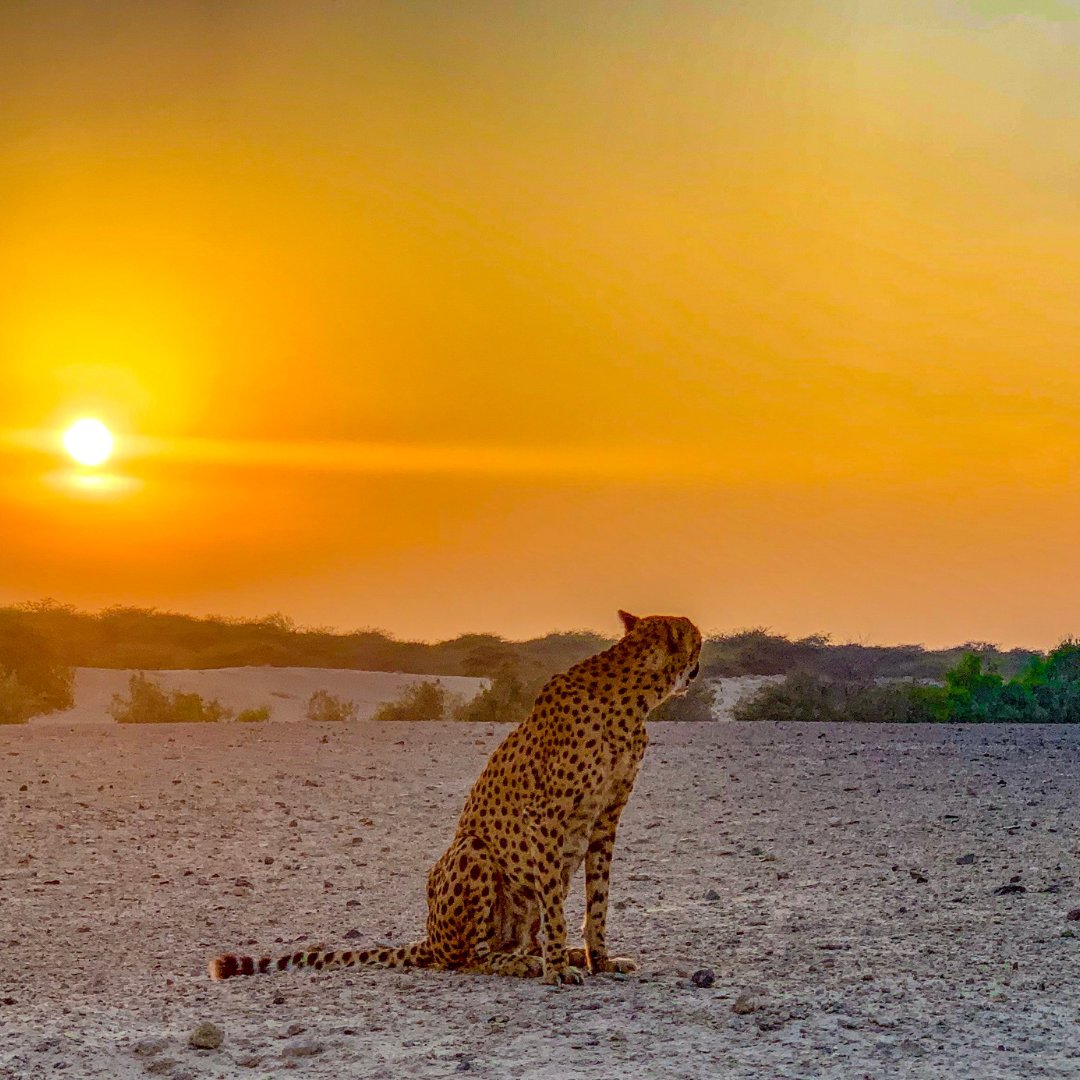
(17, 704)
(32, 658)
(971, 692)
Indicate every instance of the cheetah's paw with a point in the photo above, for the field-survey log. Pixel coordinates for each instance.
(602, 964)
(566, 976)
(617, 965)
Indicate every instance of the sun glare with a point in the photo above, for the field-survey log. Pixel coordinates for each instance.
(88, 442)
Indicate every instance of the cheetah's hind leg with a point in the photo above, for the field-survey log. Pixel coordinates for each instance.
(473, 917)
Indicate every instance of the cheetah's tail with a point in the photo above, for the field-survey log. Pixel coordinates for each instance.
(416, 955)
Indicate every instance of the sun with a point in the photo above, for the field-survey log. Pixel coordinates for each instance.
(88, 442)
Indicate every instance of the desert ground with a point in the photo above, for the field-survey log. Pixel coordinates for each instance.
(842, 884)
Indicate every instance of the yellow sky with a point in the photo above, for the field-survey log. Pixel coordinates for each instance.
(501, 316)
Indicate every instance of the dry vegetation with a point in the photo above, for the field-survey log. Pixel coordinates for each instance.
(41, 642)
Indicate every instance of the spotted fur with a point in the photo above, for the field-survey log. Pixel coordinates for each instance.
(549, 799)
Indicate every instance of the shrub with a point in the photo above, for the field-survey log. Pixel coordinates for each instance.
(421, 701)
(801, 697)
(17, 704)
(30, 657)
(253, 716)
(807, 698)
(1047, 691)
(148, 703)
(324, 706)
(696, 706)
(508, 699)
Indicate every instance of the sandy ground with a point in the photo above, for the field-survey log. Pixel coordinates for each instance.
(815, 868)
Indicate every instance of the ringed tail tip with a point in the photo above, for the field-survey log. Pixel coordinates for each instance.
(223, 967)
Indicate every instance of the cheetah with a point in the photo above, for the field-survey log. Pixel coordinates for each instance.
(549, 798)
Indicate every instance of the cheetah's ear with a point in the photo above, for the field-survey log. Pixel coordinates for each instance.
(629, 621)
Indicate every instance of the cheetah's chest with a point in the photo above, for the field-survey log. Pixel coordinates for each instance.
(617, 777)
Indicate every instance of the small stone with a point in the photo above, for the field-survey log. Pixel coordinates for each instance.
(159, 1066)
(745, 1004)
(352, 935)
(294, 1029)
(703, 977)
(1009, 890)
(303, 1049)
(249, 1061)
(918, 876)
(965, 860)
(712, 895)
(206, 1036)
(280, 999)
(1074, 915)
(149, 1047)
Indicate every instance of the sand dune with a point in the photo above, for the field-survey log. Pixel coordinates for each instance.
(285, 690)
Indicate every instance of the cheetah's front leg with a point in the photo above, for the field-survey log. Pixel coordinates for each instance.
(597, 883)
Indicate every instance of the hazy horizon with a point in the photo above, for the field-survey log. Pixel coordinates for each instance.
(501, 317)
(612, 631)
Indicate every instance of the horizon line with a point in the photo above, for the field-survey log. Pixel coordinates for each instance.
(289, 625)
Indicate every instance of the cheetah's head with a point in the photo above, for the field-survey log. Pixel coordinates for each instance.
(671, 644)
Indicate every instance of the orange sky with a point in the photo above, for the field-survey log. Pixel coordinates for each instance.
(501, 316)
